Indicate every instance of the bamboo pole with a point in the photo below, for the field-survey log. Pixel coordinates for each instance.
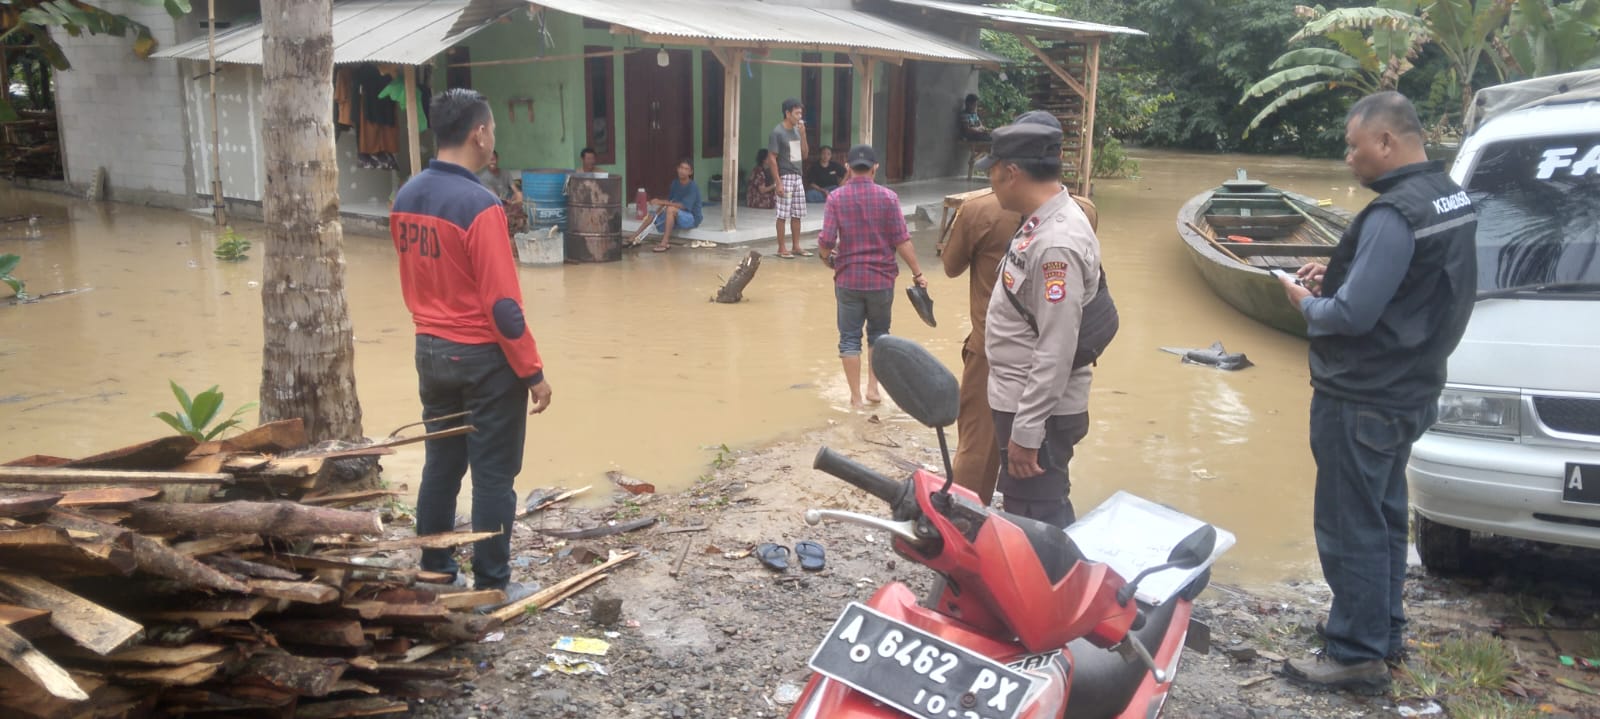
(732, 97)
(552, 58)
(413, 136)
(1086, 154)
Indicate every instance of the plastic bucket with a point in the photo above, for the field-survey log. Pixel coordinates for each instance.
(544, 195)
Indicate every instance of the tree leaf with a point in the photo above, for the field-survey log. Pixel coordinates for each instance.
(176, 425)
(9, 262)
(1315, 56)
(183, 397)
(1285, 99)
(205, 409)
(1276, 80)
(219, 429)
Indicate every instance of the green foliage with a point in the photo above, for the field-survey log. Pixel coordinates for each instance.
(231, 246)
(7, 264)
(1111, 160)
(1544, 37)
(35, 21)
(195, 414)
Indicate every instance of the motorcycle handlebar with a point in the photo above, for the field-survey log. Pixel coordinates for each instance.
(848, 470)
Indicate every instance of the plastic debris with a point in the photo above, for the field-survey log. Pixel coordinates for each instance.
(572, 666)
(786, 693)
(582, 645)
(613, 635)
(493, 637)
(1427, 709)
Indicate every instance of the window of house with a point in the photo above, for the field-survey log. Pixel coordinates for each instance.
(598, 82)
(713, 103)
(843, 92)
(458, 76)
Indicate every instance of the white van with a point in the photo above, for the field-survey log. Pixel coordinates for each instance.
(1516, 451)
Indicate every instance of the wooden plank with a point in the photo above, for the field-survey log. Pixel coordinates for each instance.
(349, 498)
(402, 670)
(302, 676)
(26, 621)
(303, 592)
(1092, 90)
(1055, 67)
(866, 75)
(52, 551)
(108, 496)
(517, 609)
(23, 504)
(210, 614)
(1277, 249)
(399, 613)
(157, 454)
(246, 568)
(413, 137)
(151, 556)
(471, 600)
(87, 623)
(301, 562)
(149, 655)
(33, 664)
(341, 633)
(110, 477)
(732, 98)
(444, 540)
(20, 698)
(280, 436)
(363, 707)
(186, 675)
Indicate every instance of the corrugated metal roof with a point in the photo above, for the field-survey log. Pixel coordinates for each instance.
(1021, 18)
(406, 32)
(756, 23)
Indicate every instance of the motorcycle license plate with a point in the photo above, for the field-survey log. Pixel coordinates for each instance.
(1581, 484)
(916, 672)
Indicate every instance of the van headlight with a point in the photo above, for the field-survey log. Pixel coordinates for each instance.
(1488, 414)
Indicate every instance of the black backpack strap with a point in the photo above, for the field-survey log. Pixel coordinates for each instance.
(1027, 316)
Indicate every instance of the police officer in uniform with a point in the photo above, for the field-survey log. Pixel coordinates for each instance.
(1383, 317)
(1038, 391)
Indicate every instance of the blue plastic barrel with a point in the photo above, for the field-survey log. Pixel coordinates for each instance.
(544, 196)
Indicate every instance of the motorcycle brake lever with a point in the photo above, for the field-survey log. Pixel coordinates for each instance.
(904, 530)
(1132, 644)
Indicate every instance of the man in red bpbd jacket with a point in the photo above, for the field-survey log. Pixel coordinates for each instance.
(475, 353)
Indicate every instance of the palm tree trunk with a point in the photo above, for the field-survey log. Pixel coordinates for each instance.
(308, 361)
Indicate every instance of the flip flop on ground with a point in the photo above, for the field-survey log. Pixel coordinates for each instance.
(773, 556)
(806, 253)
(812, 557)
(661, 248)
(785, 256)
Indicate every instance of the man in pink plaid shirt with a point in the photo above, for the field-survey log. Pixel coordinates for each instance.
(862, 232)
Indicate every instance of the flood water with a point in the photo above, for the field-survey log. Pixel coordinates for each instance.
(651, 379)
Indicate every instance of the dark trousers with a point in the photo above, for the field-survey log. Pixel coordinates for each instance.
(452, 378)
(1360, 517)
(1044, 497)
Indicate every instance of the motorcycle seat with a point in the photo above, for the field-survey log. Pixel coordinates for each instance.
(1102, 680)
(1056, 551)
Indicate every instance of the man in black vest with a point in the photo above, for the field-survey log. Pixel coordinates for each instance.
(1383, 317)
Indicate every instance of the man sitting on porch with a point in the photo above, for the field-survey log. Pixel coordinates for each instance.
(683, 209)
(500, 183)
(972, 129)
(823, 177)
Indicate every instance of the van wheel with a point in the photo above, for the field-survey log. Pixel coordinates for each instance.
(1443, 548)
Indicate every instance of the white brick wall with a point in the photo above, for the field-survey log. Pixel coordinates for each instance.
(123, 112)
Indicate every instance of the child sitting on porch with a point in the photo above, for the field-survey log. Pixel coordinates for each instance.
(762, 193)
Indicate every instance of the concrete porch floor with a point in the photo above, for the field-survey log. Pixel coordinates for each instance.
(920, 201)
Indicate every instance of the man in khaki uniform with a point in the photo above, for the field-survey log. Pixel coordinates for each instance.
(979, 238)
(1038, 387)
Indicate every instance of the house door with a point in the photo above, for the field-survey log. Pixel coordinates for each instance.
(660, 119)
(902, 140)
(811, 97)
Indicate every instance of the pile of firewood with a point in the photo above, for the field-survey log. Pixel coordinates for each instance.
(156, 591)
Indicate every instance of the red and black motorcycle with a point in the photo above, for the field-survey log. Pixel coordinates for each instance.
(1020, 626)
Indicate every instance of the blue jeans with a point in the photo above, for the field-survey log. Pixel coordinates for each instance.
(862, 307)
(815, 196)
(1360, 518)
(451, 378)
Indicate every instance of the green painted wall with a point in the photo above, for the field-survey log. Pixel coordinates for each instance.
(546, 143)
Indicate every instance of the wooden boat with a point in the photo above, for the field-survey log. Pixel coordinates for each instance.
(1240, 231)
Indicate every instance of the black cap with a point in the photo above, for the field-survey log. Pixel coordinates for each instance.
(862, 157)
(1033, 135)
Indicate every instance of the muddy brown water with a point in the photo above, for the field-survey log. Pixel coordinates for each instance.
(652, 379)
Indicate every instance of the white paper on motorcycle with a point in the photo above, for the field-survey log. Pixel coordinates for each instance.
(916, 672)
(1132, 534)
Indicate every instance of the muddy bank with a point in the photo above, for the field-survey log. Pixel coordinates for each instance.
(728, 638)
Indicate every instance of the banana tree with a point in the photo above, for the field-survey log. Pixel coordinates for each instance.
(33, 20)
(1463, 30)
(1374, 47)
(1549, 38)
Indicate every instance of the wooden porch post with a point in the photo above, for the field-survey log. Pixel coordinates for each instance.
(1092, 61)
(413, 142)
(731, 97)
(865, 68)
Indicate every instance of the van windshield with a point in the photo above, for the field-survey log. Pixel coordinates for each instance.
(1538, 205)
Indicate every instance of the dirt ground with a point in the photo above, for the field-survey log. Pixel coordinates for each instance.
(726, 638)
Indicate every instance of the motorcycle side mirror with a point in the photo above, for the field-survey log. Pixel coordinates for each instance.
(1195, 549)
(917, 381)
